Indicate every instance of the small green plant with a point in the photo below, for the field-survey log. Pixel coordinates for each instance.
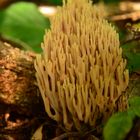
(131, 49)
(120, 124)
(23, 23)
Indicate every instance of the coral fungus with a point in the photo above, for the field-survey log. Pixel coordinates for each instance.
(81, 73)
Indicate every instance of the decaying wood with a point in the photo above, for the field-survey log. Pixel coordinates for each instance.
(20, 101)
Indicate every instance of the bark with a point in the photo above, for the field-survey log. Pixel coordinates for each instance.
(20, 100)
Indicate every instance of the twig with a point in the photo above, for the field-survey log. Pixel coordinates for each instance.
(130, 40)
(73, 134)
(133, 16)
(66, 135)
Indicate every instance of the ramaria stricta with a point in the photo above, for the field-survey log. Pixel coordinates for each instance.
(81, 74)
